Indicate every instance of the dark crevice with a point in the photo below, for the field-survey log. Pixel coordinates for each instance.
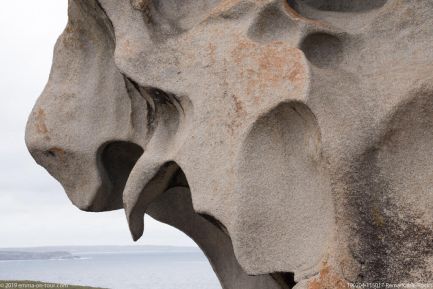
(285, 279)
(294, 5)
(130, 86)
(117, 159)
(214, 221)
(155, 98)
(162, 97)
(107, 20)
(338, 5)
(179, 180)
(150, 104)
(51, 153)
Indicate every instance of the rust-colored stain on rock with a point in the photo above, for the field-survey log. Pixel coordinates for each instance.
(41, 127)
(223, 6)
(327, 279)
(263, 68)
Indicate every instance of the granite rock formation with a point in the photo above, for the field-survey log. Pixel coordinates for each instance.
(291, 139)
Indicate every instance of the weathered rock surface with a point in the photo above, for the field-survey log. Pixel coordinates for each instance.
(292, 140)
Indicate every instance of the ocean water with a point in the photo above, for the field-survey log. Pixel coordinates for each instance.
(183, 268)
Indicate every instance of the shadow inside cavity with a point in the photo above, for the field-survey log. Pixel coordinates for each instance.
(338, 5)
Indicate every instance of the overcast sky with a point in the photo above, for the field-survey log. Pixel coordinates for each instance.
(34, 210)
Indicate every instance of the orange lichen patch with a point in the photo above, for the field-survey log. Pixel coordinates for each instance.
(327, 279)
(242, 50)
(224, 6)
(297, 72)
(41, 127)
(264, 69)
(278, 62)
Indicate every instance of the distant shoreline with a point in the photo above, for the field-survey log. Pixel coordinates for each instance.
(85, 247)
(74, 252)
(28, 255)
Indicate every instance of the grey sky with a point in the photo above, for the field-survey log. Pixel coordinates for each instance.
(34, 210)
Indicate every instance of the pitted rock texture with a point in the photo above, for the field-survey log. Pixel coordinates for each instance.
(291, 139)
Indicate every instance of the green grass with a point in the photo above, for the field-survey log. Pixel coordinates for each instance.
(40, 285)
